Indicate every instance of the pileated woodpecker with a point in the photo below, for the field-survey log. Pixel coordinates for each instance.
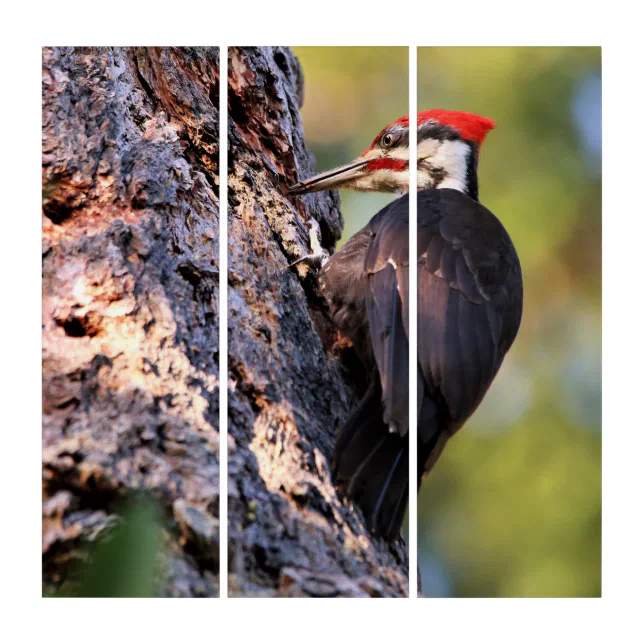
(470, 298)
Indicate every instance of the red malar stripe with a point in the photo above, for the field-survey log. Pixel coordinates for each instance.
(398, 165)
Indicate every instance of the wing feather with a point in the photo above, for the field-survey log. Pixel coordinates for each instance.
(469, 310)
(390, 346)
(469, 301)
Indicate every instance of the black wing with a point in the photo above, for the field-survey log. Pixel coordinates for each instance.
(469, 310)
(387, 268)
(344, 283)
(367, 285)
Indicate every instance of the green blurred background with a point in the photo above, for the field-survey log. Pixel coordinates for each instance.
(513, 508)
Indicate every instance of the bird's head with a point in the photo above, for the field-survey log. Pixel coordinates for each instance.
(448, 149)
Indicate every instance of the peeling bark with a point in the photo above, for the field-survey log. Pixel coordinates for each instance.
(130, 296)
(290, 534)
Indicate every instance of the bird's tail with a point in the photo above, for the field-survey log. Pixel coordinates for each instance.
(371, 465)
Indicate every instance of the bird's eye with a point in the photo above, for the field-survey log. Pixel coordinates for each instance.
(387, 140)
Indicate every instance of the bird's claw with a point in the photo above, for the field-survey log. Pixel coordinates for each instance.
(311, 260)
(319, 256)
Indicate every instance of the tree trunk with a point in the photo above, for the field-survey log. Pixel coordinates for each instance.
(130, 293)
(290, 388)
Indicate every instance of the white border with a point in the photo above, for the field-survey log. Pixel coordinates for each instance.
(413, 324)
(614, 618)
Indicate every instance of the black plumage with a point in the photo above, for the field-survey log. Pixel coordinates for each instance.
(469, 310)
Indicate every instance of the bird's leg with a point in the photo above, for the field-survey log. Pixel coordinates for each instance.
(318, 256)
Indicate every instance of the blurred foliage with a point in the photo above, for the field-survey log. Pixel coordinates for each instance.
(124, 562)
(513, 507)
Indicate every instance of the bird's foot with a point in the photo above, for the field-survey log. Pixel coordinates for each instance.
(318, 256)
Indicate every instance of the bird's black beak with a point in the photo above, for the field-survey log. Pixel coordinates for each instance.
(331, 179)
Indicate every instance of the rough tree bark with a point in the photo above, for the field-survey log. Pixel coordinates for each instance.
(289, 533)
(130, 292)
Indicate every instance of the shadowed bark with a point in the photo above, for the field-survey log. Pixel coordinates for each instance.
(290, 389)
(130, 293)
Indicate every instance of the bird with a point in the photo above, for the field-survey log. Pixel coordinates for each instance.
(470, 301)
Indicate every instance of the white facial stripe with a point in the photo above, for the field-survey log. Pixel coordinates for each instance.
(370, 154)
(398, 153)
(377, 153)
(455, 184)
(450, 156)
(428, 148)
(383, 180)
(403, 182)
